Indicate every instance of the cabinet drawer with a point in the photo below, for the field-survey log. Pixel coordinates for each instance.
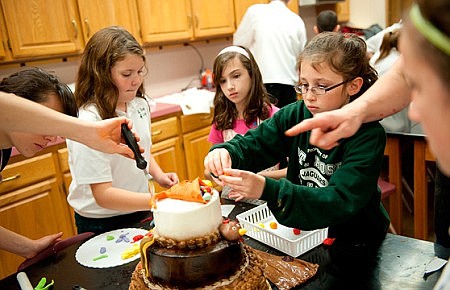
(164, 129)
(193, 122)
(26, 172)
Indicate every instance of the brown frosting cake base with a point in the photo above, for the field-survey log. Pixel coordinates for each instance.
(249, 275)
(192, 268)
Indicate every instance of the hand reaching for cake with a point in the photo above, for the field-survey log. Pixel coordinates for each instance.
(243, 184)
(215, 162)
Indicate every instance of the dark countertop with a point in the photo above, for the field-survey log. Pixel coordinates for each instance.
(400, 265)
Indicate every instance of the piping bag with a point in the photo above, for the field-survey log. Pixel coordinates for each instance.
(130, 140)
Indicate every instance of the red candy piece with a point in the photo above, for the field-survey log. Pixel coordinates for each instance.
(296, 231)
(328, 241)
(137, 238)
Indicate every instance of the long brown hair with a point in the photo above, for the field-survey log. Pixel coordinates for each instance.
(389, 42)
(345, 53)
(94, 84)
(225, 112)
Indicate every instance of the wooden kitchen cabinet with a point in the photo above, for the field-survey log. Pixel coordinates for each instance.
(97, 14)
(212, 18)
(32, 204)
(195, 129)
(156, 27)
(42, 27)
(343, 11)
(167, 147)
(188, 19)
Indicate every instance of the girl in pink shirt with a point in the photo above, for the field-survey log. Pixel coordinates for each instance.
(241, 102)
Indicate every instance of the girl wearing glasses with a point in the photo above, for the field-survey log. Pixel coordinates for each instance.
(334, 188)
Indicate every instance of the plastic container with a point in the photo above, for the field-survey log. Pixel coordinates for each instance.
(257, 222)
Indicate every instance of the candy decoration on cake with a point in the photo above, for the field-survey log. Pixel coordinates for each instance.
(231, 230)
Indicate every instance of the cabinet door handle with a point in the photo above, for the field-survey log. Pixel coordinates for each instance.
(88, 30)
(196, 21)
(74, 23)
(11, 178)
(157, 133)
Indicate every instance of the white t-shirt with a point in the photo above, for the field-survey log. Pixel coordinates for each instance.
(276, 36)
(89, 166)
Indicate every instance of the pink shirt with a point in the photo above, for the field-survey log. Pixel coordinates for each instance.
(217, 136)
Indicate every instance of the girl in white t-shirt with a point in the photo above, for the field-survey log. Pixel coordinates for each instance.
(108, 191)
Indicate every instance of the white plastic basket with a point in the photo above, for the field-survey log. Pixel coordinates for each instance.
(256, 222)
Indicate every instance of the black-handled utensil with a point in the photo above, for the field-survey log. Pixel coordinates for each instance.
(132, 143)
(140, 161)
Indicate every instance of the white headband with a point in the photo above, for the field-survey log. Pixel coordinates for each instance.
(235, 49)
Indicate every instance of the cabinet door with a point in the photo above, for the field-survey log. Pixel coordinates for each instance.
(97, 14)
(33, 211)
(169, 156)
(212, 18)
(42, 27)
(157, 27)
(196, 146)
(343, 11)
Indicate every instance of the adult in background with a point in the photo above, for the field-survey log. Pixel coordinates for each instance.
(276, 36)
(326, 21)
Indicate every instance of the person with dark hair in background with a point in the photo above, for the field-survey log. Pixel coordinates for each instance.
(327, 21)
(276, 36)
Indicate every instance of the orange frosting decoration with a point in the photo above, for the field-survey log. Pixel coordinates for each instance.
(184, 190)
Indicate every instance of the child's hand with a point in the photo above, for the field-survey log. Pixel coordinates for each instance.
(216, 161)
(243, 184)
(168, 179)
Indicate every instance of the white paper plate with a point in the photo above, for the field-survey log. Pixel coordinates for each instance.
(89, 252)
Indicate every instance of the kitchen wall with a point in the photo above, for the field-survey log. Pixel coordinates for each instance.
(173, 68)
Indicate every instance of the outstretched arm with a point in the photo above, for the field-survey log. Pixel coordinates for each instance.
(19, 114)
(389, 95)
(23, 246)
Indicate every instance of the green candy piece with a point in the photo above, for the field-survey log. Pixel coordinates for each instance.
(100, 257)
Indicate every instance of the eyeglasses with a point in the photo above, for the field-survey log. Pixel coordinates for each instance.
(303, 89)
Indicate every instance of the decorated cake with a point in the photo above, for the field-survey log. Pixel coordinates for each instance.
(193, 246)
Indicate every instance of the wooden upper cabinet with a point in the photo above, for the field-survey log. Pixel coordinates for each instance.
(183, 20)
(42, 27)
(343, 11)
(97, 14)
(212, 18)
(165, 20)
